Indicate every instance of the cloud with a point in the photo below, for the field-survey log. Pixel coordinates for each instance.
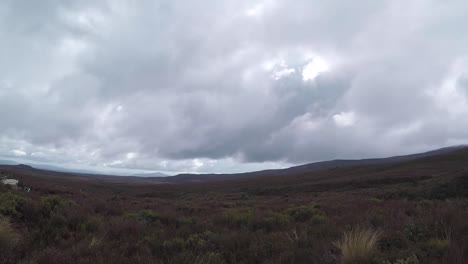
(18, 153)
(314, 69)
(283, 73)
(229, 85)
(345, 119)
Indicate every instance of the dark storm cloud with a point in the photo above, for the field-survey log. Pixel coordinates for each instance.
(223, 85)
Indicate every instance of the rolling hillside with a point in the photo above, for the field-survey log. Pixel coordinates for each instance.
(418, 203)
(308, 168)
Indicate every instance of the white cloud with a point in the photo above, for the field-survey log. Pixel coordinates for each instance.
(260, 8)
(450, 96)
(38, 154)
(306, 123)
(113, 163)
(197, 164)
(345, 119)
(283, 73)
(255, 10)
(131, 155)
(72, 46)
(18, 153)
(314, 68)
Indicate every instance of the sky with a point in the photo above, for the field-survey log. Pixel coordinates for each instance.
(229, 85)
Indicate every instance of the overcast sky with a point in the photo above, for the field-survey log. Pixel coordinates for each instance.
(229, 85)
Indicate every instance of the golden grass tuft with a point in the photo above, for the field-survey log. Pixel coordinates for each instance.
(358, 244)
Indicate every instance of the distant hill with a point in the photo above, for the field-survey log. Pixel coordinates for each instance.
(48, 167)
(26, 170)
(61, 169)
(306, 168)
(153, 174)
(23, 166)
(323, 167)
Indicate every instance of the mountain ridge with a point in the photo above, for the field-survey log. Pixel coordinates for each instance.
(310, 167)
(207, 177)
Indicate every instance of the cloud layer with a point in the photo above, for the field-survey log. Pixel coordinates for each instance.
(229, 85)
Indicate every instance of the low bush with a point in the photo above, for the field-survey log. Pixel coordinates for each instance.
(10, 204)
(51, 203)
(376, 217)
(270, 222)
(410, 260)
(149, 217)
(455, 188)
(301, 213)
(415, 232)
(9, 239)
(236, 218)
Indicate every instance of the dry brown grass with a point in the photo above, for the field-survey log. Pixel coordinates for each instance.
(358, 244)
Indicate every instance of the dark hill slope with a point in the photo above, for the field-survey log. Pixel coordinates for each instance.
(445, 162)
(440, 175)
(307, 168)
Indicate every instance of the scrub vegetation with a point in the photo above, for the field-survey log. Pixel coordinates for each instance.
(401, 213)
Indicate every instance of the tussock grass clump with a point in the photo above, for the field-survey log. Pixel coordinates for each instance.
(358, 244)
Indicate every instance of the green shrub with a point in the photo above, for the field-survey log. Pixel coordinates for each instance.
(9, 239)
(210, 258)
(424, 203)
(152, 217)
(319, 219)
(301, 213)
(410, 260)
(393, 242)
(358, 244)
(197, 242)
(454, 188)
(415, 232)
(196, 258)
(237, 218)
(52, 203)
(188, 221)
(271, 222)
(10, 204)
(172, 246)
(52, 230)
(89, 226)
(154, 241)
(149, 217)
(376, 217)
